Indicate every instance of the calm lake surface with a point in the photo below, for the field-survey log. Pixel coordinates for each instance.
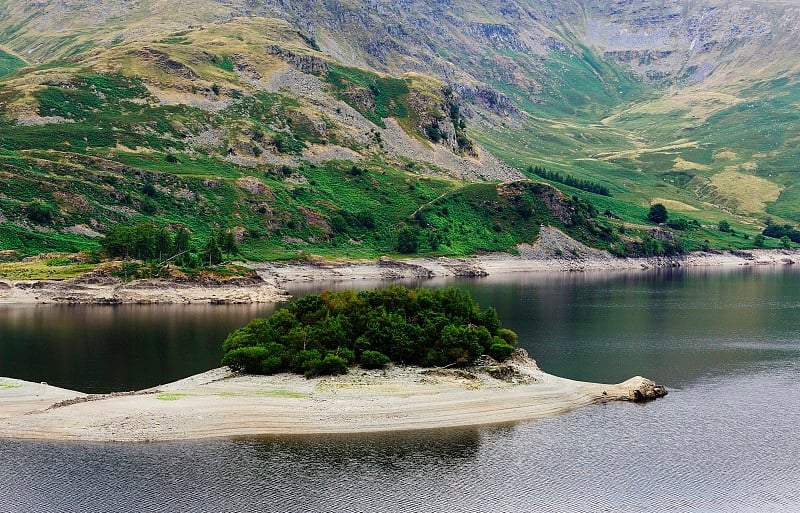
(726, 344)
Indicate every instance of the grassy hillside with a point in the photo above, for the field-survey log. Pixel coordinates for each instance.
(339, 131)
(9, 63)
(333, 210)
(188, 133)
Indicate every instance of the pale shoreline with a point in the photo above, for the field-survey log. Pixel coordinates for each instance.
(220, 404)
(115, 292)
(270, 288)
(497, 264)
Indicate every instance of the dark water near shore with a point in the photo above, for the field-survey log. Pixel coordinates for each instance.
(727, 344)
(102, 349)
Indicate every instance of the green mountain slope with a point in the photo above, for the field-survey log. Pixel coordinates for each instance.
(267, 117)
(9, 63)
(290, 150)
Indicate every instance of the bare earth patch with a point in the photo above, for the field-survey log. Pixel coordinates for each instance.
(113, 291)
(686, 165)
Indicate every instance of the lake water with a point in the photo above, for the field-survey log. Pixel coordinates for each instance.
(726, 344)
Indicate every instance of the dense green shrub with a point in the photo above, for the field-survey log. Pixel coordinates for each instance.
(500, 350)
(330, 365)
(39, 212)
(508, 336)
(246, 359)
(680, 223)
(271, 365)
(304, 360)
(374, 360)
(322, 334)
(408, 240)
(777, 232)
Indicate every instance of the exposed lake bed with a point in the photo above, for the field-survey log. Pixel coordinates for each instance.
(270, 282)
(220, 403)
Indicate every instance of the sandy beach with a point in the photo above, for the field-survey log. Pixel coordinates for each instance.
(219, 403)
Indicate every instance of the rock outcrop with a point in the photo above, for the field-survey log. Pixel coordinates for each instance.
(641, 389)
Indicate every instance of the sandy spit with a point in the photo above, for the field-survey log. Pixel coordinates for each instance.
(221, 404)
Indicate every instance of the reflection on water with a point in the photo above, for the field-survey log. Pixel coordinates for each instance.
(671, 325)
(724, 440)
(674, 326)
(722, 446)
(112, 348)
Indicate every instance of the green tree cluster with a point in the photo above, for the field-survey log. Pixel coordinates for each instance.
(150, 243)
(324, 334)
(779, 231)
(221, 243)
(145, 241)
(584, 185)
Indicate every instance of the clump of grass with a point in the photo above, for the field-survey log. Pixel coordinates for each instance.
(43, 270)
(169, 397)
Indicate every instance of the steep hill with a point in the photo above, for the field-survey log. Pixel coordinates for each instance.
(668, 102)
(241, 125)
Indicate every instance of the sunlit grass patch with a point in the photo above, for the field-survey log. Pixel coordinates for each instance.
(169, 397)
(675, 205)
(746, 192)
(50, 269)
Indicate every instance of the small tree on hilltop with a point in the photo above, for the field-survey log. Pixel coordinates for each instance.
(657, 214)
